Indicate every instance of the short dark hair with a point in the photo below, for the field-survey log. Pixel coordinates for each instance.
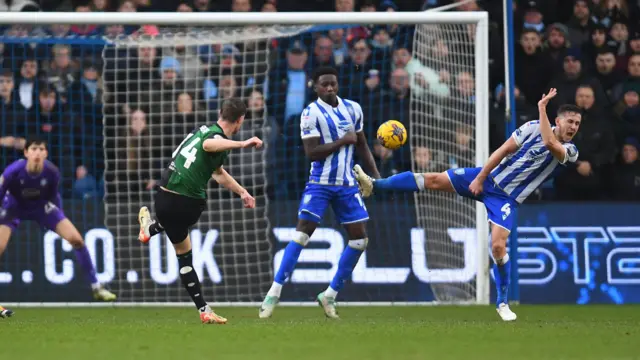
(324, 70)
(232, 110)
(569, 108)
(35, 141)
(6, 73)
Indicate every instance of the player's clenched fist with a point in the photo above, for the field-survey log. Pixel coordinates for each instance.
(248, 200)
(253, 142)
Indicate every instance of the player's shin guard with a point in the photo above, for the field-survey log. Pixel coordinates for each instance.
(406, 181)
(83, 257)
(190, 280)
(503, 279)
(347, 263)
(289, 260)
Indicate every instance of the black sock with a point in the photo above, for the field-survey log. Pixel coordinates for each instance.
(155, 228)
(190, 279)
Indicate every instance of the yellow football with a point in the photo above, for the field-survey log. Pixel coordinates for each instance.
(392, 134)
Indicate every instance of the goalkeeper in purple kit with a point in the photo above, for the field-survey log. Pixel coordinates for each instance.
(29, 191)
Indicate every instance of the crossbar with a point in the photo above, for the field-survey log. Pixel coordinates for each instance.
(249, 18)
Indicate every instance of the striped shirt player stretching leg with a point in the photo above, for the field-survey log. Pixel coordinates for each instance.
(331, 132)
(533, 154)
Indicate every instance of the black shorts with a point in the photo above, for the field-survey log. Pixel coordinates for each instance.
(177, 213)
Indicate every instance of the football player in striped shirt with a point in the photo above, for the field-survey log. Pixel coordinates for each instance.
(533, 154)
(332, 131)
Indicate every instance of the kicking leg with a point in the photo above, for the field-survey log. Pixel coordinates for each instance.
(406, 181)
(358, 241)
(499, 236)
(68, 231)
(191, 283)
(148, 226)
(304, 230)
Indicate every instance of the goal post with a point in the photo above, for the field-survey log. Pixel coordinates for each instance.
(445, 233)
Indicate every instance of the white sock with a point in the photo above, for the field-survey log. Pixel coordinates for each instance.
(96, 286)
(502, 261)
(330, 292)
(275, 290)
(205, 308)
(419, 180)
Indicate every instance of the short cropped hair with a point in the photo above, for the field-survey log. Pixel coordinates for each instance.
(232, 110)
(324, 70)
(35, 141)
(569, 108)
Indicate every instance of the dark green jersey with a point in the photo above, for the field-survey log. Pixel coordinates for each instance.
(191, 167)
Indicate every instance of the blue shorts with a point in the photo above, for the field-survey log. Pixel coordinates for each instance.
(499, 205)
(346, 203)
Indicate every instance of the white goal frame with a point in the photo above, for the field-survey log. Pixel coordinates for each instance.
(481, 53)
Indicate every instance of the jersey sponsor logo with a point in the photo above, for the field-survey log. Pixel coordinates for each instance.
(534, 154)
(43, 182)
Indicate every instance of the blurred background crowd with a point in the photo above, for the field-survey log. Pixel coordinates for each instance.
(62, 85)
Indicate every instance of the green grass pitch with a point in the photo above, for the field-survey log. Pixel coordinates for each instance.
(371, 333)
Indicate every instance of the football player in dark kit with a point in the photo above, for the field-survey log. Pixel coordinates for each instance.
(181, 197)
(29, 192)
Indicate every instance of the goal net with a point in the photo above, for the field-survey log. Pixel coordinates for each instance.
(157, 83)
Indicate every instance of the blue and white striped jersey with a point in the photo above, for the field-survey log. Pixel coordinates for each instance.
(322, 120)
(523, 171)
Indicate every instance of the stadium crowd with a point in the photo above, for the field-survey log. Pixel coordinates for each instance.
(151, 95)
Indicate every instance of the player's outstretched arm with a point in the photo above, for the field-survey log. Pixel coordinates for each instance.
(219, 144)
(316, 151)
(548, 138)
(364, 154)
(222, 177)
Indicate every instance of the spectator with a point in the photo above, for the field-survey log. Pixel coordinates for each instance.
(580, 23)
(633, 79)
(606, 72)
(85, 186)
(626, 176)
(289, 87)
(323, 52)
(556, 45)
(190, 66)
(534, 68)
(423, 78)
(340, 45)
(595, 141)
(354, 71)
(599, 41)
(572, 77)
(240, 5)
(85, 96)
(27, 84)
(62, 71)
(628, 111)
